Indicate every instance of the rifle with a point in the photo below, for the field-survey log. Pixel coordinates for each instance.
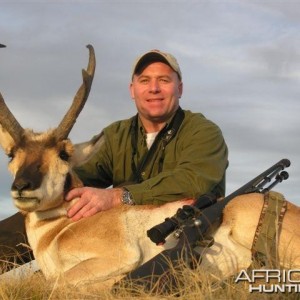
(191, 224)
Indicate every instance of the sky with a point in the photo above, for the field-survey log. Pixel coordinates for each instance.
(240, 62)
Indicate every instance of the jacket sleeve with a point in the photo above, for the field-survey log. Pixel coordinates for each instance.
(202, 159)
(97, 172)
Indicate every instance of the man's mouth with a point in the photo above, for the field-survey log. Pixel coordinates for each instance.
(155, 100)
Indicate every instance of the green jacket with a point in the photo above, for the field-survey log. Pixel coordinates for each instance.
(192, 163)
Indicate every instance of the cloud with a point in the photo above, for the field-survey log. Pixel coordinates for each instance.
(240, 63)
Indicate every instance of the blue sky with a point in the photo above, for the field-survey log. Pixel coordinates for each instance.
(240, 62)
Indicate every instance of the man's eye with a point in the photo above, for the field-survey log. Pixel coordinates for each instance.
(164, 80)
(144, 81)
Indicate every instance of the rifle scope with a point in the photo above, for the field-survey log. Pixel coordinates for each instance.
(158, 233)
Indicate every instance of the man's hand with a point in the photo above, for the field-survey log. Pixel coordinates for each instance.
(92, 200)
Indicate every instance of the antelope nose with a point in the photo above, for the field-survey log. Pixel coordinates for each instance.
(20, 185)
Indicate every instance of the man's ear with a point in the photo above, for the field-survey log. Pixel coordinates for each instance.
(84, 151)
(6, 141)
(180, 89)
(131, 91)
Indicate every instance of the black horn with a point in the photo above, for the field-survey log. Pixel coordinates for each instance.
(68, 121)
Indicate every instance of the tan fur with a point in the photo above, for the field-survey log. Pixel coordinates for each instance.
(103, 246)
(231, 251)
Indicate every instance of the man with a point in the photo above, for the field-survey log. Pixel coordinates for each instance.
(188, 157)
(162, 154)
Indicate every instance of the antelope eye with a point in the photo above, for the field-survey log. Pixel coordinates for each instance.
(64, 155)
(11, 156)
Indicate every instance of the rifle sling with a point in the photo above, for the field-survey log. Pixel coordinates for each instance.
(264, 247)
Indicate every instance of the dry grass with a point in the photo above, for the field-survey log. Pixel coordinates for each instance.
(194, 285)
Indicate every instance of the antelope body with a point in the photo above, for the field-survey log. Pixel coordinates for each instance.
(112, 243)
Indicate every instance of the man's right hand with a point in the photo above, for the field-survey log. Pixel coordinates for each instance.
(92, 200)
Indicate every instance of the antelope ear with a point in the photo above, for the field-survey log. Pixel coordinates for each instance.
(6, 141)
(84, 151)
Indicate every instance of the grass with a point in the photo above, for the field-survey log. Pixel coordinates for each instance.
(193, 285)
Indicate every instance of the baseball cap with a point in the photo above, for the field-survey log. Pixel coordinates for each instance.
(155, 56)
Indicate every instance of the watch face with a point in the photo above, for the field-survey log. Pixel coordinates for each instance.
(127, 198)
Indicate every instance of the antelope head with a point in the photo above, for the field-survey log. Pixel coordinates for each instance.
(41, 163)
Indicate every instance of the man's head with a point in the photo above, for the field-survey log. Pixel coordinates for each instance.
(155, 56)
(156, 88)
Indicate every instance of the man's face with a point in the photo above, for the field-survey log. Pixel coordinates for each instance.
(156, 92)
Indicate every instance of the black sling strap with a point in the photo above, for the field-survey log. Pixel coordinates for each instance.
(165, 135)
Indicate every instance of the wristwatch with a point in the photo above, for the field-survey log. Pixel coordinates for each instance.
(127, 197)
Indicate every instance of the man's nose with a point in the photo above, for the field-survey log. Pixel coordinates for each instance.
(154, 86)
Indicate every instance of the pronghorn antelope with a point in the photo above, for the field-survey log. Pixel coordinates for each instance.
(111, 243)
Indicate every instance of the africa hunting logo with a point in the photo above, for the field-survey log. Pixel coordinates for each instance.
(271, 281)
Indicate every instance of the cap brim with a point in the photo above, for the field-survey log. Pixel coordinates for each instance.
(146, 60)
(2, 46)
